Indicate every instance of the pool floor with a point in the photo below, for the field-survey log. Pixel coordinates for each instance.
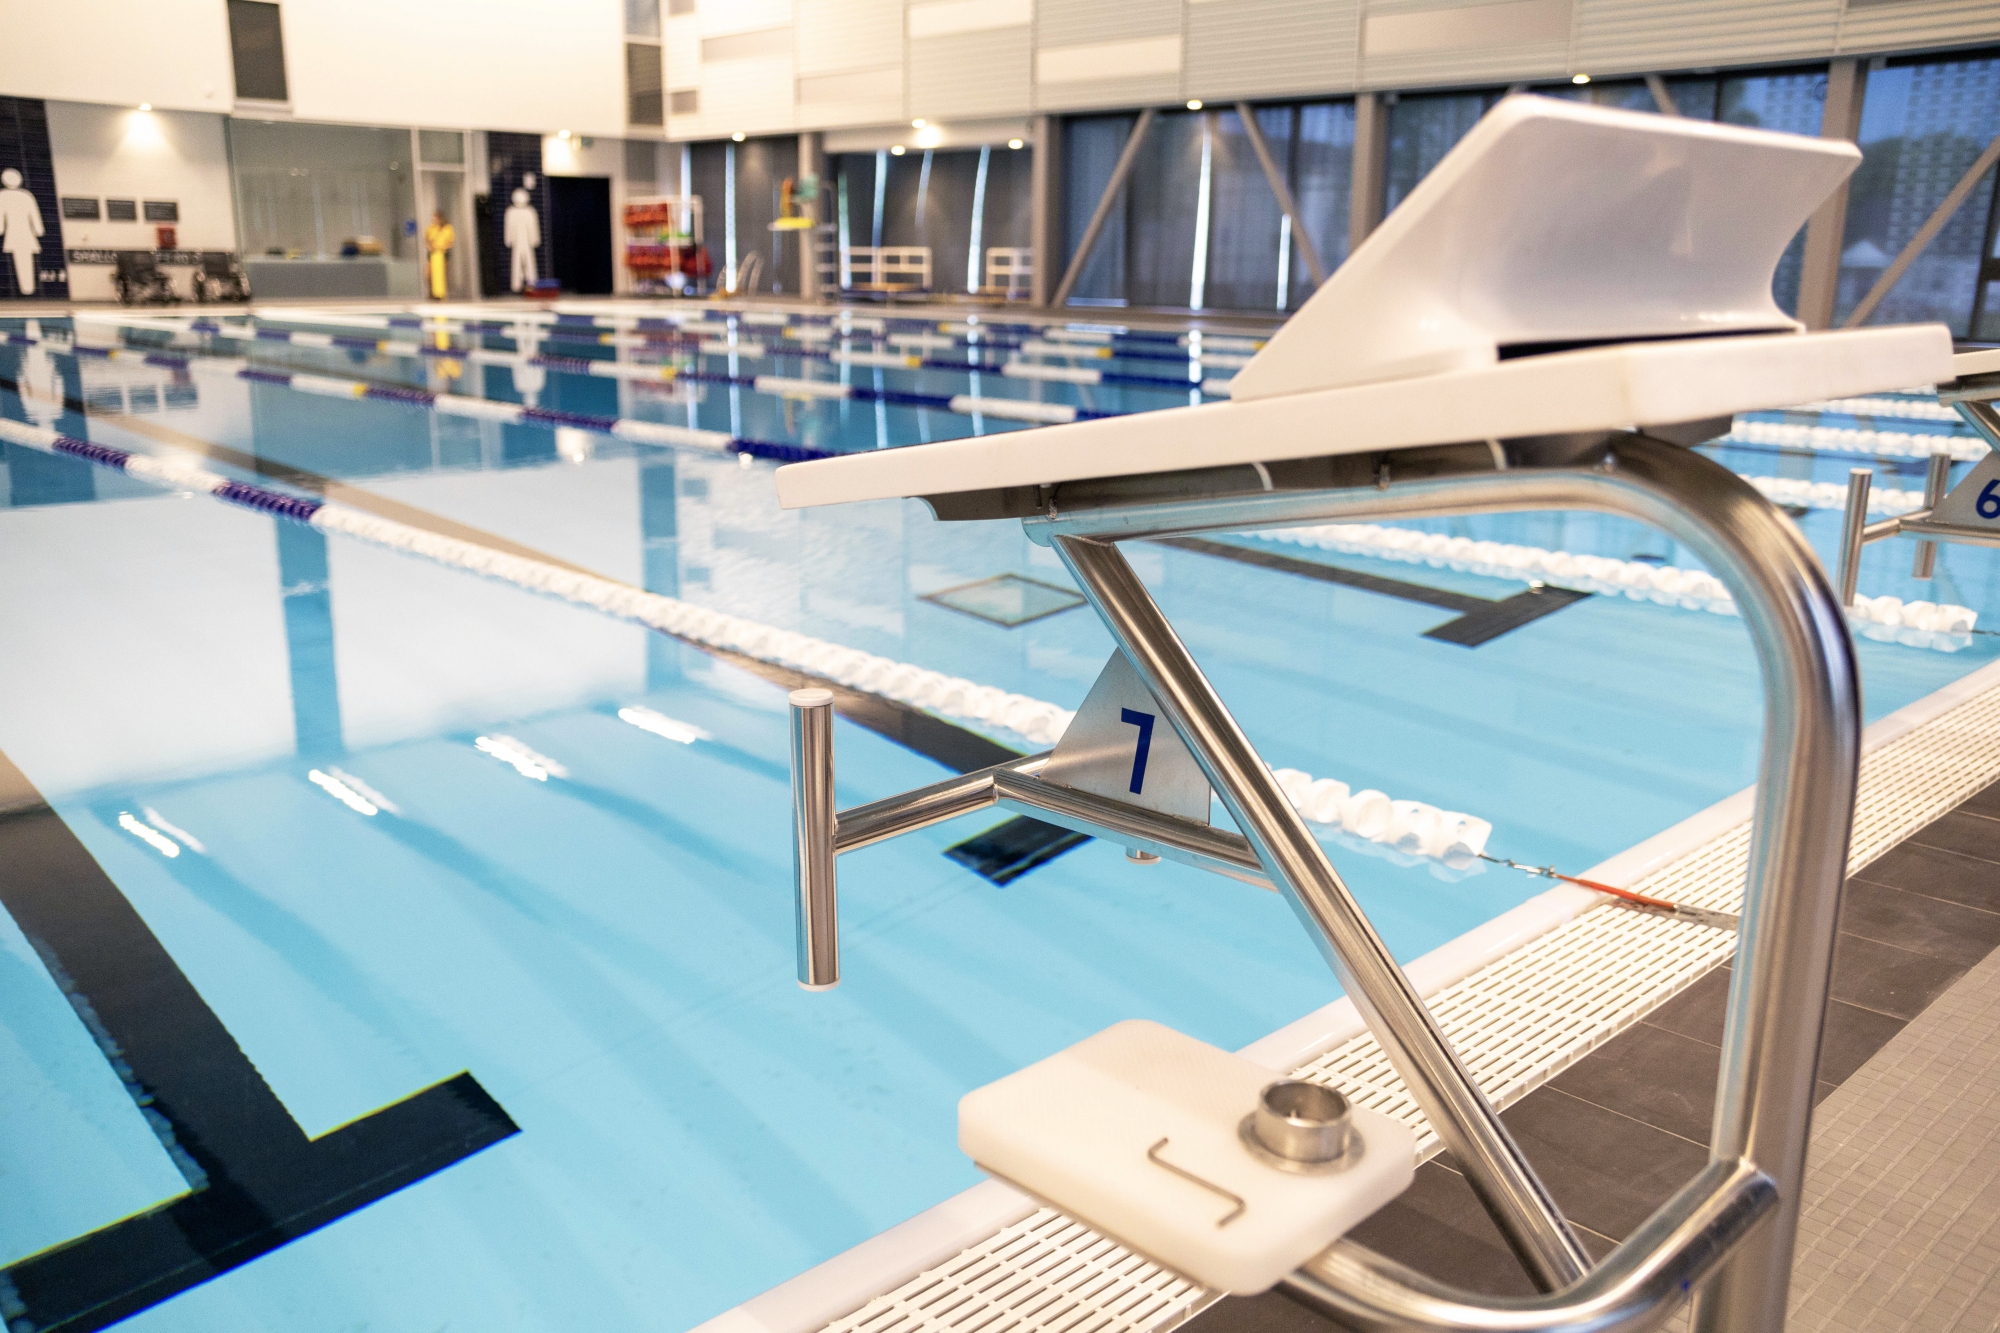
(448, 928)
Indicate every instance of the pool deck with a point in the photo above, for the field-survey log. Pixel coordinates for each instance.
(1899, 1226)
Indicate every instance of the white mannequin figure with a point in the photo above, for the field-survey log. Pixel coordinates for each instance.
(521, 233)
(20, 228)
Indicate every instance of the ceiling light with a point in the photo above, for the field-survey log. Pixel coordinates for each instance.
(918, 123)
(562, 134)
(1013, 143)
(896, 151)
(739, 136)
(145, 106)
(1579, 78)
(930, 137)
(1194, 104)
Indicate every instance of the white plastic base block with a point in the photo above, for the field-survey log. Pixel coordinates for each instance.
(1139, 1132)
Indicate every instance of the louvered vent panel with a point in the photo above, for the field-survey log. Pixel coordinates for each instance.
(1266, 48)
(1903, 25)
(835, 35)
(1076, 22)
(970, 74)
(1646, 36)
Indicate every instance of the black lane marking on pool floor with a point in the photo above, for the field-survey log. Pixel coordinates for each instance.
(957, 748)
(256, 1181)
(1479, 620)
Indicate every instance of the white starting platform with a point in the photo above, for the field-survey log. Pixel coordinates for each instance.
(1571, 299)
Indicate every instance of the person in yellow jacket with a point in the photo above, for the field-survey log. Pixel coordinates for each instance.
(438, 240)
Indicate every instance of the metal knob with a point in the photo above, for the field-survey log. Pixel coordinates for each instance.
(1300, 1125)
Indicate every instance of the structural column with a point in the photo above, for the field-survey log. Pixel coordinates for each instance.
(1045, 206)
(1371, 167)
(1819, 275)
(812, 162)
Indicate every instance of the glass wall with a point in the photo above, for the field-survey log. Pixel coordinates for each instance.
(1923, 124)
(740, 185)
(315, 190)
(1197, 224)
(960, 202)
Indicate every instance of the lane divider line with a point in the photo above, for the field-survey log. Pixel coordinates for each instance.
(1413, 828)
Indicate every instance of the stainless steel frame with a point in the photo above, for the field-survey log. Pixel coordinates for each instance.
(1973, 399)
(1798, 854)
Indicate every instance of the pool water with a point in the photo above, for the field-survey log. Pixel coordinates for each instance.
(424, 825)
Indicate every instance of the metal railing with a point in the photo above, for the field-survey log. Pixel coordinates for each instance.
(1972, 397)
(1804, 809)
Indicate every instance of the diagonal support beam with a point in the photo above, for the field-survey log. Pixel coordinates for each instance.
(1293, 859)
(1662, 98)
(1307, 251)
(1925, 235)
(1119, 174)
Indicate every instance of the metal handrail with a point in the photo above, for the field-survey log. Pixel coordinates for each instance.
(1798, 854)
(1805, 792)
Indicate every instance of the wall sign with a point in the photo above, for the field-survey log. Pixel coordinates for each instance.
(31, 246)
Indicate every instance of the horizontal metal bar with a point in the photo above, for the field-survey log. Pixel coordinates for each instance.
(1932, 529)
(1884, 530)
(894, 816)
(1971, 389)
(1635, 1286)
(1200, 845)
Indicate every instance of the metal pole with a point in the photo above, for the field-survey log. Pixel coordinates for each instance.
(1937, 480)
(1982, 418)
(1925, 234)
(1290, 855)
(1307, 250)
(810, 164)
(1852, 525)
(818, 921)
(1662, 98)
(1370, 179)
(1104, 203)
(1819, 273)
(1044, 205)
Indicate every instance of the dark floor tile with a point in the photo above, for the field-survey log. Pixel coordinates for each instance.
(1655, 1076)
(1877, 976)
(1697, 1011)
(1852, 1035)
(1438, 1227)
(1604, 1170)
(1985, 803)
(1968, 835)
(1937, 873)
(1909, 920)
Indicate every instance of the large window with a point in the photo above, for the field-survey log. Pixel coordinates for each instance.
(740, 186)
(1923, 124)
(1197, 223)
(310, 190)
(959, 202)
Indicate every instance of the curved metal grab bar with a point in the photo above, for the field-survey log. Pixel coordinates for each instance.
(1658, 1265)
(1798, 847)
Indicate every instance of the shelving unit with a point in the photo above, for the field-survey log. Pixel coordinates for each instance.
(663, 244)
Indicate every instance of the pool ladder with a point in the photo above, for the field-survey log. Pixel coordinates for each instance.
(1729, 1232)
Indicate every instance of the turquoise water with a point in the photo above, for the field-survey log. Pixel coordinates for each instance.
(607, 949)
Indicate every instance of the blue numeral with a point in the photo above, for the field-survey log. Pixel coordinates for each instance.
(1144, 722)
(1989, 503)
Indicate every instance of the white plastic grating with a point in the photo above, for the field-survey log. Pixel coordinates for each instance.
(1044, 1274)
(1516, 1022)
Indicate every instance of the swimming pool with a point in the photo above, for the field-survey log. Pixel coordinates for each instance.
(425, 825)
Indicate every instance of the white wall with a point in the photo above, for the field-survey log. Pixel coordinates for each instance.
(115, 152)
(172, 53)
(527, 65)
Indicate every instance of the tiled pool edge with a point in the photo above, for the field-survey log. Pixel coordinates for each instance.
(889, 1264)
